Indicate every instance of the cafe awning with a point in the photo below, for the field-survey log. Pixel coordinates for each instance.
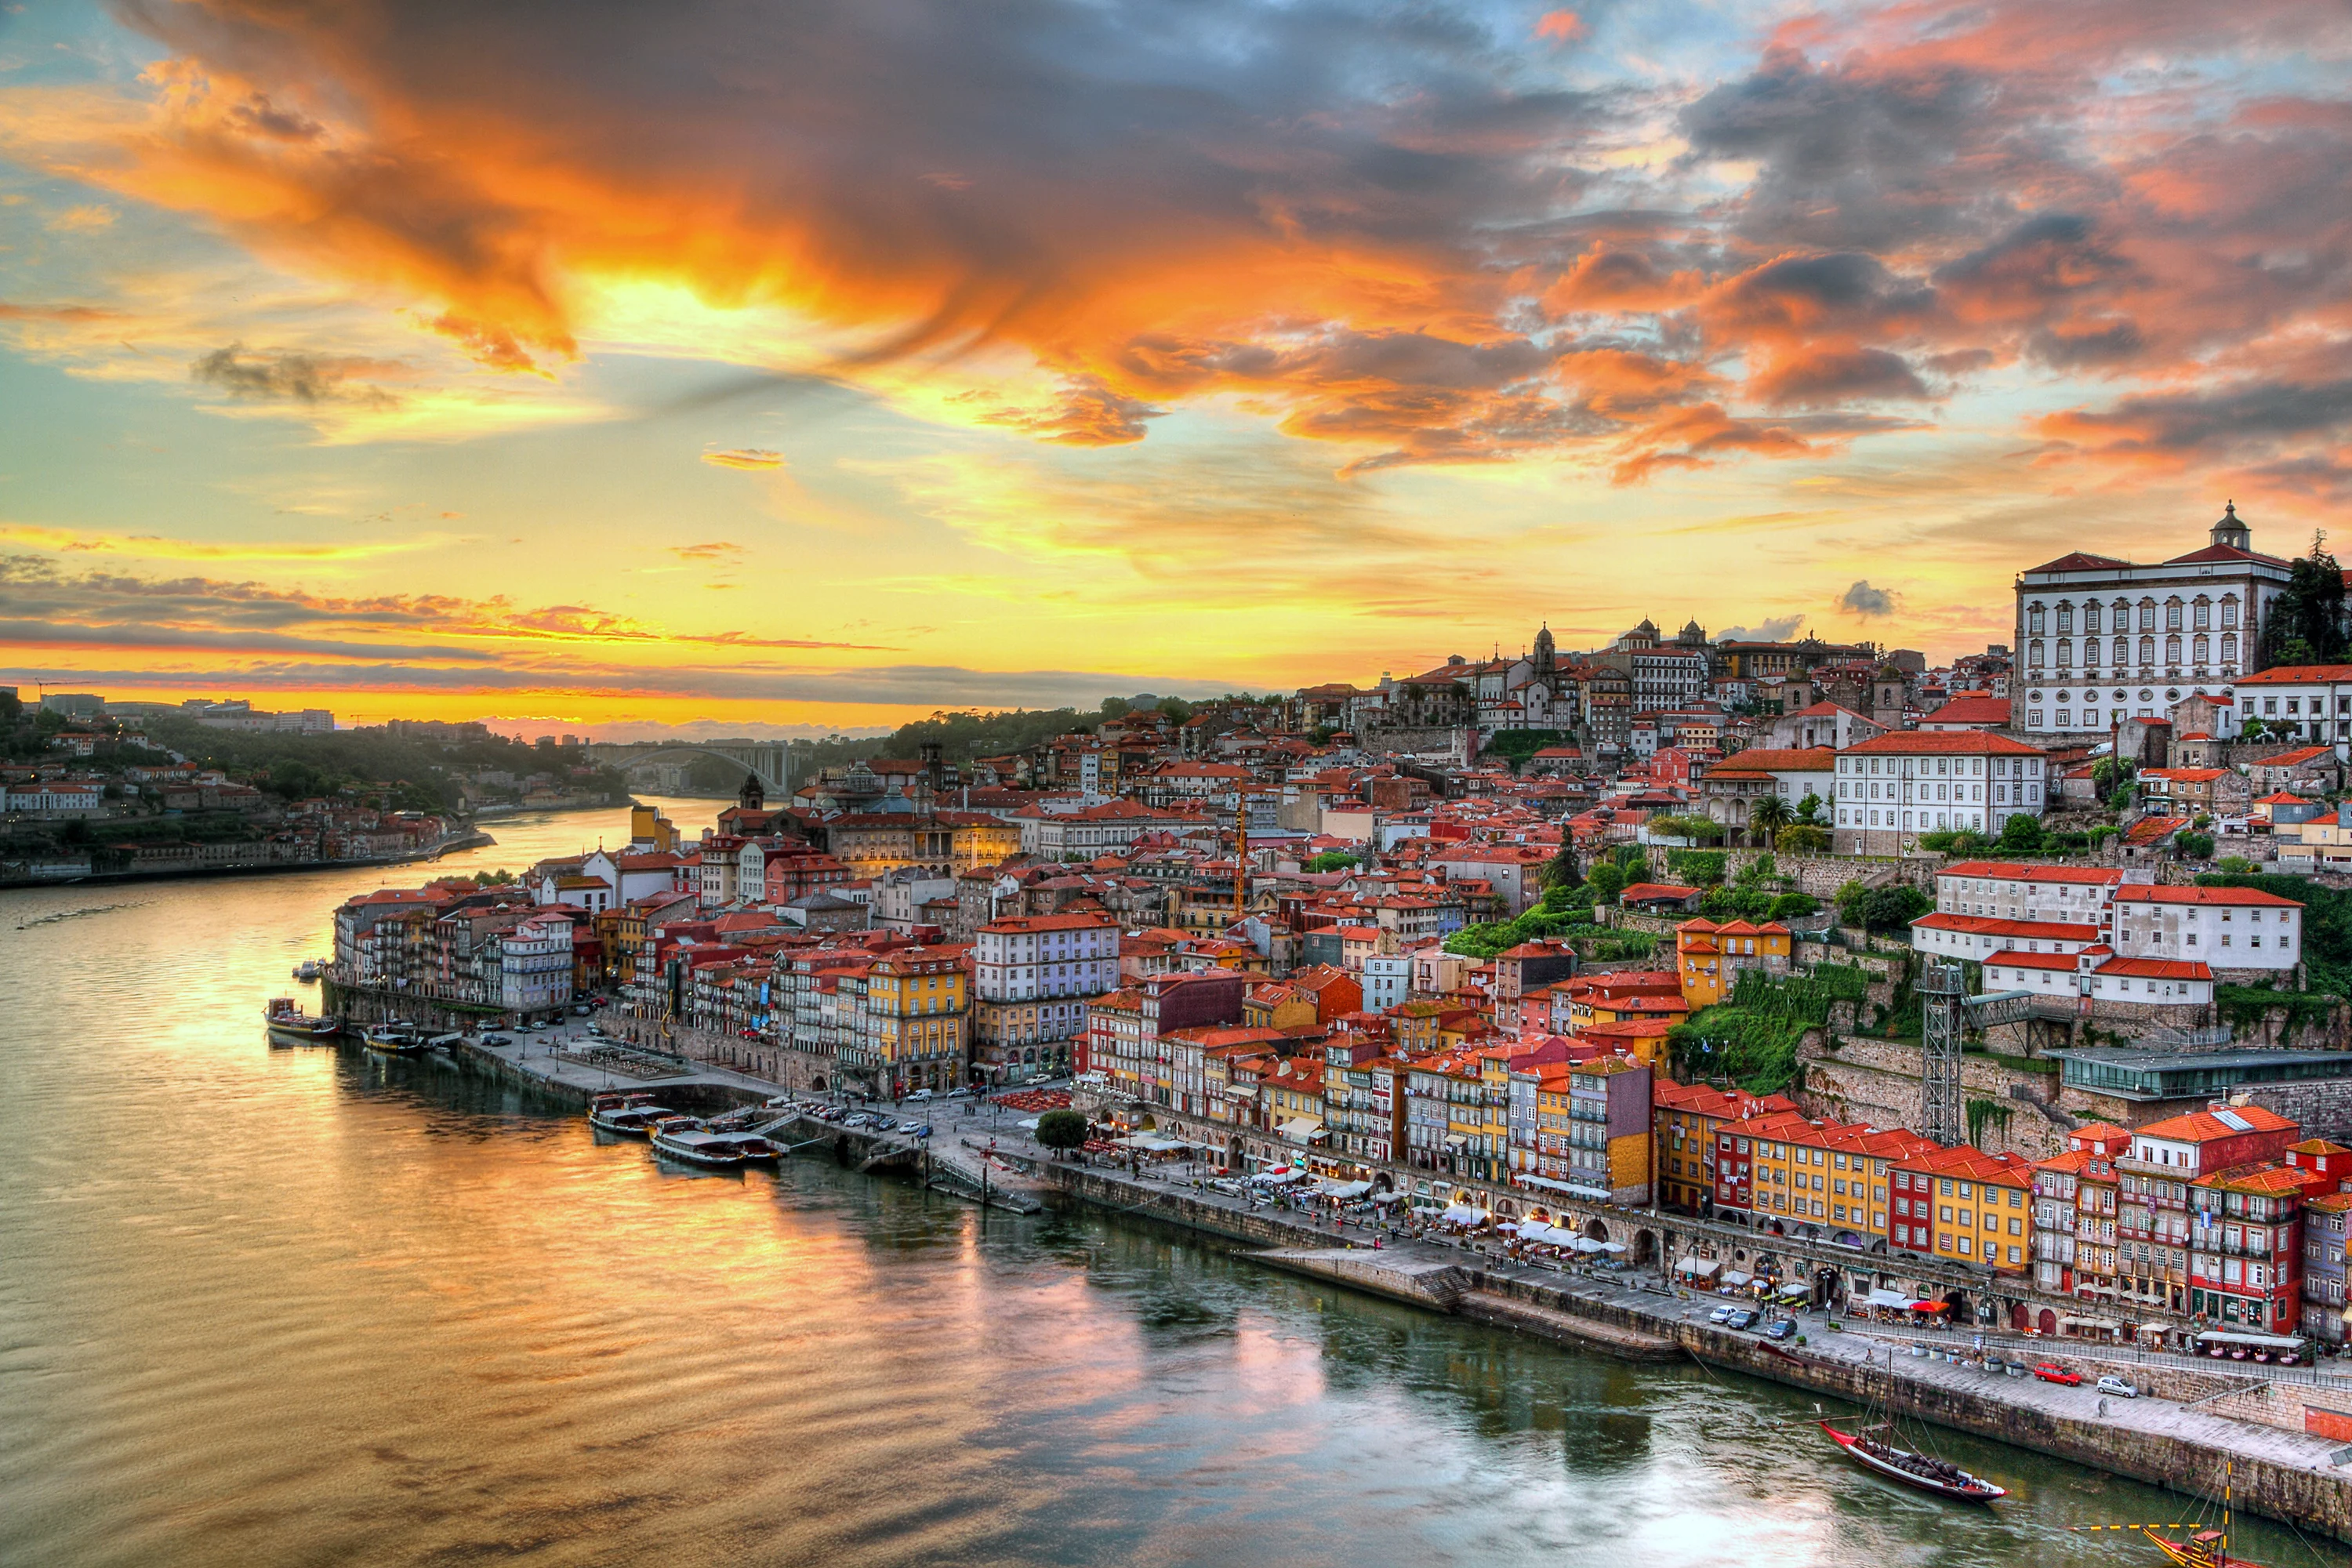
(1895, 1298)
(1737, 1277)
(1346, 1189)
(2255, 1341)
(1303, 1130)
(1151, 1143)
(1795, 1292)
(1462, 1214)
(1698, 1268)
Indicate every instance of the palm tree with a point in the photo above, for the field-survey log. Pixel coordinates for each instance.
(1768, 816)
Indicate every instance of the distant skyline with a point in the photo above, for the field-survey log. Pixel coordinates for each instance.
(602, 365)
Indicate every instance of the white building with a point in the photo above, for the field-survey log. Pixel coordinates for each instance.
(2009, 890)
(1975, 938)
(2224, 928)
(2101, 639)
(2302, 702)
(1892, 789)
(2096, 972)
(56, 798)
(1387, 978)
(535, 965)
(1029, 958)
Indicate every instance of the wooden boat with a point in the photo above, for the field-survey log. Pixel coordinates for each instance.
(630, 1115)
(286, 1021)
(714, 1150)
(1921, 1470)
(2201, 1547)
(393, 1039)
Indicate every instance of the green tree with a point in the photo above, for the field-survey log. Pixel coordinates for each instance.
(2304, 624)
(1809, 811)
(1062, 1131)
(1793, 906)
(1607, 880)
(1700, 868)
(2021, 834)
(2193, 846)
(1561, 871)
(1333, 860)
(1768, 816)
(1802, 838)
(12, 708)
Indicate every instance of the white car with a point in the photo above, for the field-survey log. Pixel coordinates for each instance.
(920, 1094)
(2116, 1385)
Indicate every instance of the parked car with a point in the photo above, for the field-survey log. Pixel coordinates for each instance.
(1785, 1329)
(2116, 1385)
(1739, 1319)
(2050, 1372)
(1721, 1314)
(910, 1127)
(920, 1094)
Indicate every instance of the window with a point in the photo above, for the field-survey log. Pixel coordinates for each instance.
(2065, 652)
(2065, 618)
(2229, 610)
(2197, 651)
(2147, 646)
(2201, 614)
(2090, 617)
(2033, 620)
(2172, 614)
(2172, 649)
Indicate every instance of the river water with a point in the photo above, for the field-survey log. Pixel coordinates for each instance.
(271, 1306)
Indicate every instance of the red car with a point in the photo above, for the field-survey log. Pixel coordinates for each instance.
(2050, 1372)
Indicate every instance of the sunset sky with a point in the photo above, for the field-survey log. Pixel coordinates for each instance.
(605, 364)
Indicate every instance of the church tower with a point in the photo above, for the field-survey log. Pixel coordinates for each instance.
(753, 796)
(1544, 656)
(2231, 532)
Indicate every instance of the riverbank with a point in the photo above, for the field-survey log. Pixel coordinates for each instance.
(2187, 1428)
(2171, 1443)
(473, 838)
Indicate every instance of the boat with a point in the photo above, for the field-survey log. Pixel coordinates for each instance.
(714, 1150)
(1921, 1470)
(2202, 1548)
(287, 1021)
(631, 1115)
(309, 970)
(393, 1039)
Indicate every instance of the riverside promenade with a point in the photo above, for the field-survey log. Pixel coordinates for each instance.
(2188, 1426)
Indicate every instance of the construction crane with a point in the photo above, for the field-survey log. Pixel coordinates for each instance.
(1944, 1016)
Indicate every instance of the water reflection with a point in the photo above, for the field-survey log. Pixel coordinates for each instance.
(309, 1305)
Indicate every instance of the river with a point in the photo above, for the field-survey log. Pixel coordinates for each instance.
(271, 1306)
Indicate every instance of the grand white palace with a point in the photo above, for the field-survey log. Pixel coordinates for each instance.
(2100, 639)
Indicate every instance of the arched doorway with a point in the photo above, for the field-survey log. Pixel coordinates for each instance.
(1506, 1209)
(1595, 1231)
(1645, 1248)
(2048, 1323)
(1958, 1311)
(1383, 1183)
(2020, 1316)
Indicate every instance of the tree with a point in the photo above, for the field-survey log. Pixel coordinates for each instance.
(1333, 860)
(1793, 906)
(12, 708)
(1809, 810)
(1802, 838)
(1062, 1131)
(2021, 834)
(2109, 773)
(2193, 846)
(1561, 871)
(1769, 816)
(1607, 880)
(2305, 624)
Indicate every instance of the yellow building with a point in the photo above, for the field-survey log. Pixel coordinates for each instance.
(650, 832)
(1967, 1206)
(913, 1029)
(870, 843)
(1709, 958)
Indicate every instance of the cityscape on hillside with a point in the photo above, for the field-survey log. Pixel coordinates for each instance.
(1560, 938)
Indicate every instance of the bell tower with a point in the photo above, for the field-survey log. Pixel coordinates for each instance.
(2230, 531)
(753, 796)
(1544, 656)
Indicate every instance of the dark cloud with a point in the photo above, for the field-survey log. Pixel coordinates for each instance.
(1832, 377)
(1387, 228)
(1867, 602)
(281, 375)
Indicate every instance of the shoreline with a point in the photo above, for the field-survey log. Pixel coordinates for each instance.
(2281, 1473)
(474, 838)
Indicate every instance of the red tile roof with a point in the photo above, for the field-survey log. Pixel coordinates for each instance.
(2298, 674)
(2141, 894)
(1984, 925)
(2019, 872)
(1957, 742)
